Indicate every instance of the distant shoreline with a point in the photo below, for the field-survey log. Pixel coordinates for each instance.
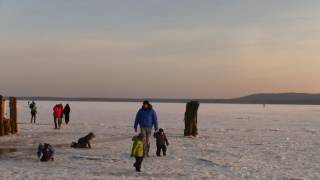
(281, 99)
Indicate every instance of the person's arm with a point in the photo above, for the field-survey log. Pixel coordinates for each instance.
(155, 134)
(165, 138)
(136, 122)
(89, 145)
(40, 148)
(155, 120)
(134, 149)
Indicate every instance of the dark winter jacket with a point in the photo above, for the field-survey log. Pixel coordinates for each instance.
(66, 110)
(146, 118)
(45, 152)
(161, 138)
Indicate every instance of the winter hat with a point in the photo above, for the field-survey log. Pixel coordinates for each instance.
(146, 102)
(141, 136)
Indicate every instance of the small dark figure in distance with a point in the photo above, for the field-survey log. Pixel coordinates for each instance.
(33, 111)
(45, 152)
(137, 151)
(66, 112)
(162, 142)
(84, 142)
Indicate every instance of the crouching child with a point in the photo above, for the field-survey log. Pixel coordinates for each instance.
(162, 142)
(84, 142)
(45, 152)
(137, 151)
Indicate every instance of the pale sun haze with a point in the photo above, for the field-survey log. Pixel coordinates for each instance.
(158, 48)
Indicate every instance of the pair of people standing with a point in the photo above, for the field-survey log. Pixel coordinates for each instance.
(58, 113)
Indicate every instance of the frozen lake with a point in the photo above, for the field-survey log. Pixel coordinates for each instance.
(235, 142)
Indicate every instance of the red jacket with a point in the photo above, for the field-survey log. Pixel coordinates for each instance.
(57, 111)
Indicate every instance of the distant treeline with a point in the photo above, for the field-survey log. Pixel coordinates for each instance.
(282, 98)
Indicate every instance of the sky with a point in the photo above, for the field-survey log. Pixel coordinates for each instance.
(159, 48)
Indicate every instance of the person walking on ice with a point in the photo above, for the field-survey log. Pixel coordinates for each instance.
(33, 111)
(162, 142)
(137, 151)
(146, 118)
(57, 114)
(66, 112)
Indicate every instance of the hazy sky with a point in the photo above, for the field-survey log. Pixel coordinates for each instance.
(159, 48)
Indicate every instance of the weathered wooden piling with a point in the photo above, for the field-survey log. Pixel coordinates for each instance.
(191, 119)
(2, 112)
(13, 115)
(8, 126)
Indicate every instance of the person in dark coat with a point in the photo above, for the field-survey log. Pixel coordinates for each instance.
(45, 152)
(162, 142)
(84, 142)
(33, 111)
(66, 112)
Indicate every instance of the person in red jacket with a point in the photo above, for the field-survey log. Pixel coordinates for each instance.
(57, 115)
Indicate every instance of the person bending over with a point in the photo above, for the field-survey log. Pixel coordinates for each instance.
(84, 142)
(45, 152)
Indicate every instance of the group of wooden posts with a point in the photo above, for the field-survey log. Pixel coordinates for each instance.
(8, 125)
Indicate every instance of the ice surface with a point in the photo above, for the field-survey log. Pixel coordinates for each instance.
(235, 142)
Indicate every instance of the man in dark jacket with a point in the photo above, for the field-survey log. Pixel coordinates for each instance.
(146, 118)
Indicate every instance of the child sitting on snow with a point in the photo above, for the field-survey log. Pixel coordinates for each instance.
(162, 142)
(45, 152)
(84, 142)
(137, 151)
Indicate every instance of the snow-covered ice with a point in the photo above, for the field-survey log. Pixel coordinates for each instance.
(235, 142)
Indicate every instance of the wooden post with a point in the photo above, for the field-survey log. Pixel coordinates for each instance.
(7, 126)
(191, 119)
(2, 107)
(13, 115)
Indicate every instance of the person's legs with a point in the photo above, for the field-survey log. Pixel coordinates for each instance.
(148, 140)
(59, 122)
(66, 118)
(158, 150)
(144, 132)
(35, 117)
(55, 123)
(138, 163)
(147, 134)
(164, 150)
(31, 118)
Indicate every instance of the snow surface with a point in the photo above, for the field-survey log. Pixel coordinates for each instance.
(235, 142)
